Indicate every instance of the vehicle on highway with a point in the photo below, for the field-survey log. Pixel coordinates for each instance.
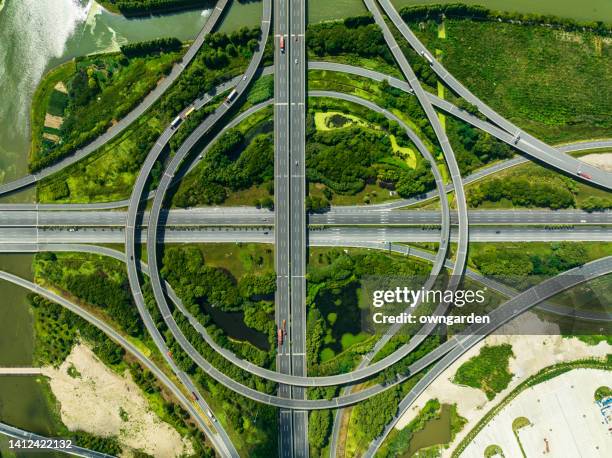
(195, 396)
(282, 44)
(296, 61)
(232, 95)
(427, 57)
(280, 337)
(211, 415)
(175, 123)
(189, 111)
(584, 175)
(285, 327)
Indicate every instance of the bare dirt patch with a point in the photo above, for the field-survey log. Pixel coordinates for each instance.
(54, 122)
(61, 87)
(602, 161)
(96, 400)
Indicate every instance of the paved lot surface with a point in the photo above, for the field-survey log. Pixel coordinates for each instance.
(562, 411)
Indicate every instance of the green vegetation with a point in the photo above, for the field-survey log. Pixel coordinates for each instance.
(52, 347)
(92, 94)
(146, 7)
(101, 282)
(474, 148)
(319, 428)
(481, 13)
(109, 173)
(602, 392)
(514, 262)
(493, 450)
(549, 79)
(231, 164)
(543, 375)
(441, 422)
(253, 427)
(262, 90)
(345, 160)
(488, 371)
(145, 48)
(525, 187)
(334, 333)
(357, 36)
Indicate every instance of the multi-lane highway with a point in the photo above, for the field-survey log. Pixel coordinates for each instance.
(24, 228)
(333, 235)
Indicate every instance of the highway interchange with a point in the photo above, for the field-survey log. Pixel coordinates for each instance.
(25, 227)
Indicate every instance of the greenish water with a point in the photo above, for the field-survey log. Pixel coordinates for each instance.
(437, 431)
(587, 10)
(247, 14)
(23, 400)
(36, 35)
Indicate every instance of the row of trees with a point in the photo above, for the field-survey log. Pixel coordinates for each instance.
(513, 265)
(337, 38)
(522, 191)
(144, 48)
(144, 7)
(460, 10)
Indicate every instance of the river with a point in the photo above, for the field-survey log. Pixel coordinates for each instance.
(586, 10)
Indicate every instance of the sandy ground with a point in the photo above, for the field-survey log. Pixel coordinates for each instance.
(602, 161)
(52, 137)
(565, 421)
(532, 353)
(92, 403)
(60, 86)
(55, 122)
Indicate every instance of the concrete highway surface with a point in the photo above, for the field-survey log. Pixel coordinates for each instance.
(282, 189)
(334, 235)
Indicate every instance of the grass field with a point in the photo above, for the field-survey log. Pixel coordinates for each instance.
(488, 371)
(557, 85)
(542, 175)
(101, 89)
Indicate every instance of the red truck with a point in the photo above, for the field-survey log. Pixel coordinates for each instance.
(584, 175)
(282, 43)
(280, 337)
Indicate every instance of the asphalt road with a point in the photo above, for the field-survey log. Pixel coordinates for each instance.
(335, 235)
(282, 216)
(298, 225)
(123, 123)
